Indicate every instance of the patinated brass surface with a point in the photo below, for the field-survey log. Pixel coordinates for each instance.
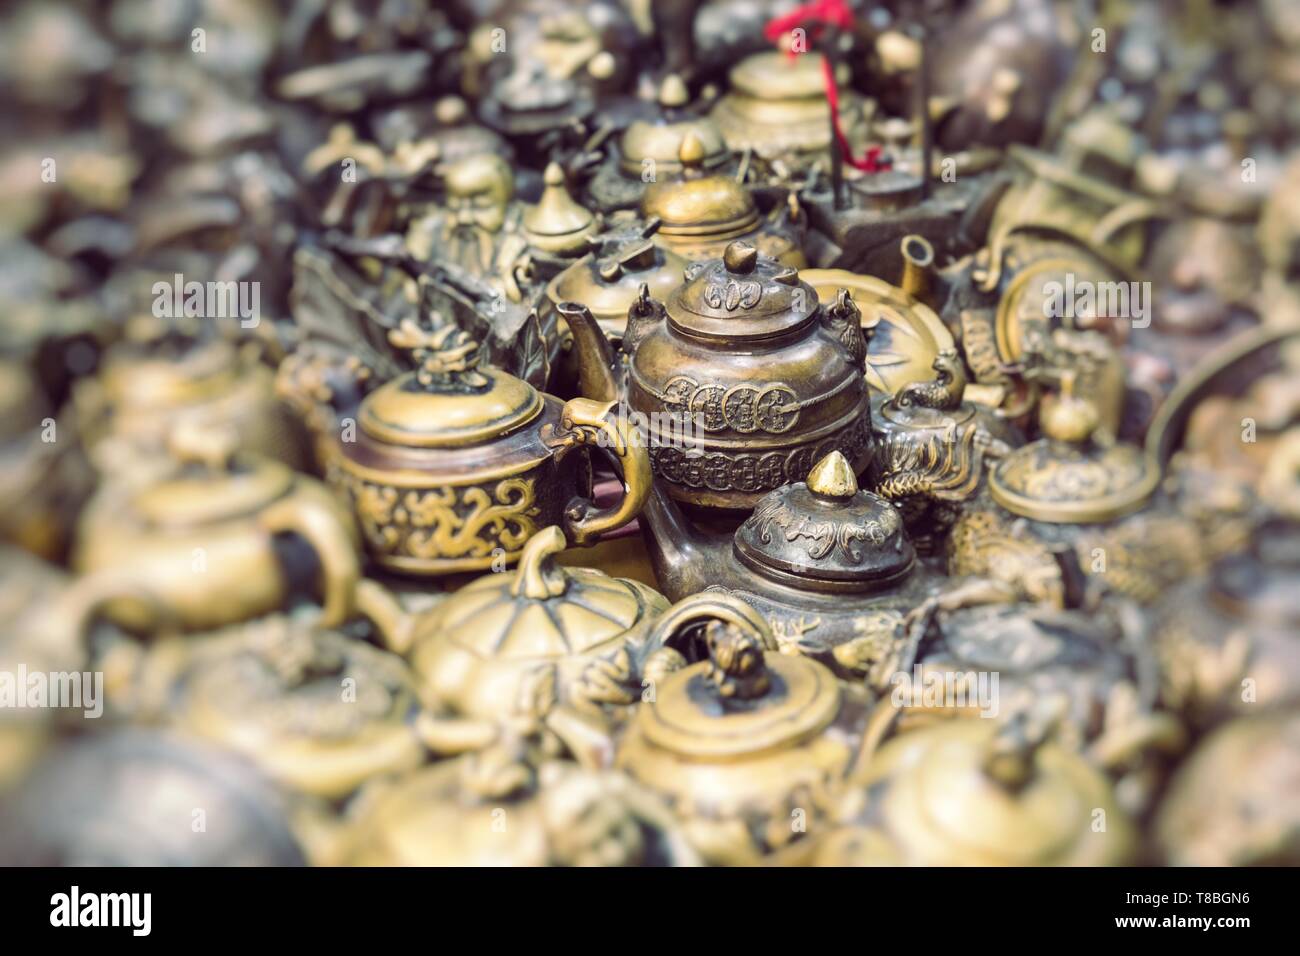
(454, 468)
(741, 432)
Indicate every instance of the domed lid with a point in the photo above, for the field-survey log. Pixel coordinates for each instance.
(280, 694)
(542, 610)
(209, 484)
(773, 75)
(1068, 476)
(609, 280)
(448, 401)
(698, 205)
(164, 370)
(741, 702)
(742, 296)
(661, 140)
(980, 792)
(558, 224)
(826, 533)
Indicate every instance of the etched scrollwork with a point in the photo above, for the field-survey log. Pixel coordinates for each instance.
(776, 517)
(465, 522)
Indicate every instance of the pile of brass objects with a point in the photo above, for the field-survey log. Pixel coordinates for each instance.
(535, 433)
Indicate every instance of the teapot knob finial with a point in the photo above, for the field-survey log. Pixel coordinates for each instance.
(740, 257)
(833, 477)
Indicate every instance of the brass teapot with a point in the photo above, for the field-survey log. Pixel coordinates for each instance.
(544, 644)
(609, 277)
(648, 149)
(777, 107)
(454, 467)
(748, 746)
(161, 378)
(701, 212)
(828, 566)
(500, 807)
(1076, 489)
(200, 545)
(317, 710)
(742, 378)
(978, 793)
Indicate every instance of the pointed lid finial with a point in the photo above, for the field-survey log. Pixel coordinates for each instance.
(673, 93)
(833, 477)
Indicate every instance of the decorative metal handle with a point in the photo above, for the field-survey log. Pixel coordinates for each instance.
(335, 542)
(585, 422)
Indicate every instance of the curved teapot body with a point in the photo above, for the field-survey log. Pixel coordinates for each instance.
(746, 381)
(440, 511)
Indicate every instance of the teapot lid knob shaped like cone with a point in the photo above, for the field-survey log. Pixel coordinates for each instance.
(833, 477)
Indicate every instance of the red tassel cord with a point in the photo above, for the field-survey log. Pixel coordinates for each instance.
(823, 13)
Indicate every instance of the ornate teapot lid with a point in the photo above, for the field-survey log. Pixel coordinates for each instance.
(826, 532)
(697, 204)
(772, 75)
(742, 296)
(448, 401)
(210, 483)
(987, 793)
(318, 710)
(171, 371)
(540, 610)
(1070, 477)
(609, 280)
(741, 702)
(558, 224)
(660, 140)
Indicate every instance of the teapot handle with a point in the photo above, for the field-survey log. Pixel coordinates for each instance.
(333, 540)
(587, 422)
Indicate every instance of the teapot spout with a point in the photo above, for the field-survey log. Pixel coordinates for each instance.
(685, 560)
(597, 369)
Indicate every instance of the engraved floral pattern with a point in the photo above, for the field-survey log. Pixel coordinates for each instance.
(446, 522)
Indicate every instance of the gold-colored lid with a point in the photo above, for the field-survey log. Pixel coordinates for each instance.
(773, 75)
(210, 483)
(742, 296)
(699, 205)
(277, 695)
(969, 792)
(449, 401)
(540, 610)
(848, 539)
(153, 380)
(558, 224)
(741, 703)
(660, 140)
(609, 280)
(1068, 478)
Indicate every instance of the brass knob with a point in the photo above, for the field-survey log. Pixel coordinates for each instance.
(833, 477)
(740, 257)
